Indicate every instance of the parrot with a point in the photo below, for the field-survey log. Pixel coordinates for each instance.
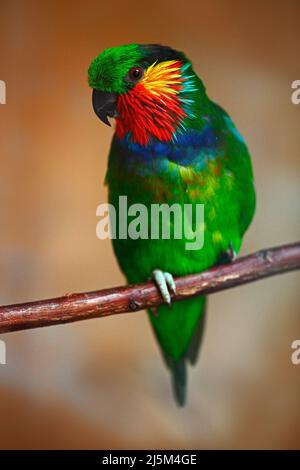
(172, 145)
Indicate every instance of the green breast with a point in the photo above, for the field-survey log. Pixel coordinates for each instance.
(217, 186)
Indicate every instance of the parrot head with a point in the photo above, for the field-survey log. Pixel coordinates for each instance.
(149, 89)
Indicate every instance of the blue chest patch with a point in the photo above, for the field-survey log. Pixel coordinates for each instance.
(191, 148)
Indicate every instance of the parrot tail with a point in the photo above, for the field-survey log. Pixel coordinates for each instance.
(179, 380)
(194, 348)
(178, 367)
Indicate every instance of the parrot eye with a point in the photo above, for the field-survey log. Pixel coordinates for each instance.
(135, 74)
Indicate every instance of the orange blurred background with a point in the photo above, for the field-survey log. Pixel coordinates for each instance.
(102, 383)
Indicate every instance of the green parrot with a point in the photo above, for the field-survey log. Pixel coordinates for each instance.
(172, 145)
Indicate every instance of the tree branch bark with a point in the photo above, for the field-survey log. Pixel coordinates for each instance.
(75, 307)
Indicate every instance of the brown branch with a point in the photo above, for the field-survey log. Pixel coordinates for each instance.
(74, 307)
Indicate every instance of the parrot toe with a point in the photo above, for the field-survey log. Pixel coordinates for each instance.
(165, 284)
(228, 256)
(231, 253)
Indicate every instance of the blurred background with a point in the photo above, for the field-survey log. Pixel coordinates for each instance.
(101, 383)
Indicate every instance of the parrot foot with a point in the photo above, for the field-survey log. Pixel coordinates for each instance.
(227, 256)
(165, 284)
(231, 253)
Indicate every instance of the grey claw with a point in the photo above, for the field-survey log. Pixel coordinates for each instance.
(232, 253)
(228, 256)
(170, 281)
(164, 282)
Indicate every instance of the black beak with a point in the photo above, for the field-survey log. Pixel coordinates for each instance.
(104, 105)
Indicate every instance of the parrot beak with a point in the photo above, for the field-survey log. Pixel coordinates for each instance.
(104, 105)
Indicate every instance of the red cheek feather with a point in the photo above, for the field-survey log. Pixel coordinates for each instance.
(143, 113)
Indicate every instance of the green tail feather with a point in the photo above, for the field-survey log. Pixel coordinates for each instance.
(196, 341)
(179, 331)
(179, 381)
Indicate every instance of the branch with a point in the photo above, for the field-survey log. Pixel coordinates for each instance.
(75, 307)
